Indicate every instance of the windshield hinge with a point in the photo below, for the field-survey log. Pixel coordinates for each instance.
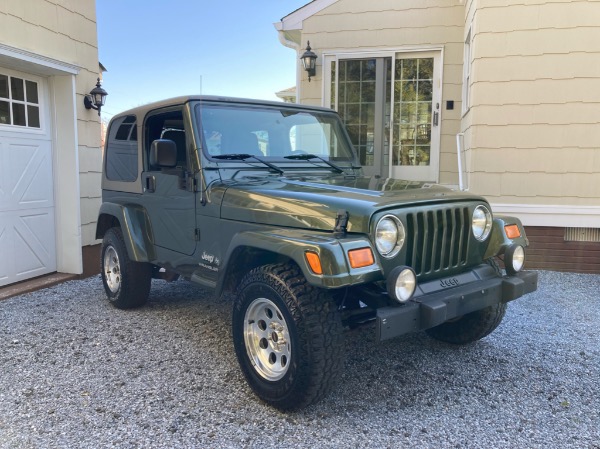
(197, 235)
(192, 182)
(341, 222)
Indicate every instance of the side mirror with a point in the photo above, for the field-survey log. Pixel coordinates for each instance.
(163, 153)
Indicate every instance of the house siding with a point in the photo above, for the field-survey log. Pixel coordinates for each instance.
(533, 124)
(65, 30)
(360, 26)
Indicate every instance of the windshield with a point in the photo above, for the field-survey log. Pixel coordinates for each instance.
(271, 133)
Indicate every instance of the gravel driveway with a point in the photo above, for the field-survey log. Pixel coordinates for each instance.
(77, 373)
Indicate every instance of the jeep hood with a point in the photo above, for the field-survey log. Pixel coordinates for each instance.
(306, 203)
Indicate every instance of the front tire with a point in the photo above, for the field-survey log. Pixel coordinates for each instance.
(127, 283)
(287, 336)
(472, 326)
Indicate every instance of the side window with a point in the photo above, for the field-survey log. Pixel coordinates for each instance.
(466, 100)
(166, 125)
(122, 150)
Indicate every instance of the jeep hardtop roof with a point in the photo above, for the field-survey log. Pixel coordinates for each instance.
(144, 109)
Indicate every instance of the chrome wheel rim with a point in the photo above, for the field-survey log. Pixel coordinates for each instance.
(112, 269)
(267, 339)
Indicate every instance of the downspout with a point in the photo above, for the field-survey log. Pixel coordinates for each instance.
(459, 152)
(283, 39)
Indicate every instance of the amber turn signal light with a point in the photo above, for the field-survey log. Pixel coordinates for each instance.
(314, 262)
(362, 257)
(512, 231)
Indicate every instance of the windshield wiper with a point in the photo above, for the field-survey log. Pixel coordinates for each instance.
(244, 156)
(308, 157)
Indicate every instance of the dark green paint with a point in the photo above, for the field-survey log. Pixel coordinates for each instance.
(235, 209)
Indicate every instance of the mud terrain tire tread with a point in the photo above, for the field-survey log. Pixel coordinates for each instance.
(136, 277)
(315, 328)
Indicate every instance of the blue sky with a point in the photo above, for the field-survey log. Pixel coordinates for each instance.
(155, 49)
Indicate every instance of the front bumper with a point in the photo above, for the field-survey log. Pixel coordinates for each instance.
(437, 304)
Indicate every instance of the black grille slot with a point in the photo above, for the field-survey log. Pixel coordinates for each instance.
(437, 240)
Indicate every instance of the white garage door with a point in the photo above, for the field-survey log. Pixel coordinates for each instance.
(27, 229)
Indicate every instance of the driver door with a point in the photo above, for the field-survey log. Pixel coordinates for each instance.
(169, 203)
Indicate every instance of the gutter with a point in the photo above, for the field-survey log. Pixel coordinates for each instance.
(286, 38)
(291, 39)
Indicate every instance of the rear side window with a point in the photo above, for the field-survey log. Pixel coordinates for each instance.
(122, 150)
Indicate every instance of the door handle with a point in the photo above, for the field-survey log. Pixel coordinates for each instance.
(150, 184)
(436, 118)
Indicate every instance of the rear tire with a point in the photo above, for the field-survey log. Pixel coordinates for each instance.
(127, 283)
(472, 326)
(287, 336)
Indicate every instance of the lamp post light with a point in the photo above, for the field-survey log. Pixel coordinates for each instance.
(309, 59)
(96, 98)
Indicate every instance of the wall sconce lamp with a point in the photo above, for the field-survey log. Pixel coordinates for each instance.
(309, 59)
(96, 98)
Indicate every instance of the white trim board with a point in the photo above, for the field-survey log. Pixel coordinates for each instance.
(27, 61)
(552, 215)
(366, 52)
(293, 21)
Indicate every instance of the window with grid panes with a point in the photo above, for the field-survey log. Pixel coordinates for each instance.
(19, 102)
(356, 104)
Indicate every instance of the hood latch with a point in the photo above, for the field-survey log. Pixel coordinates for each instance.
(341, 222)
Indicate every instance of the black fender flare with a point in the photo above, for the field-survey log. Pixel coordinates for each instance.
(293, 244)
(499, 241)
(135, 226)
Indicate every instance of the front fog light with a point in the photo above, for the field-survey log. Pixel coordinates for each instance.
(514, 259)
(401, 284)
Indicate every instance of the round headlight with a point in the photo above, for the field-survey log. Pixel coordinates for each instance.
(389, 236)
(402, 283)
(514, 259)
(482, 223)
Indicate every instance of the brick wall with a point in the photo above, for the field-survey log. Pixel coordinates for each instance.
(549, 251)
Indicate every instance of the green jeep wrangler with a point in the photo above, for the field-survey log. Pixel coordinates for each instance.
(267, 201)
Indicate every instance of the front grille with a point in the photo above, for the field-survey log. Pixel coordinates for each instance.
(437, 240)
